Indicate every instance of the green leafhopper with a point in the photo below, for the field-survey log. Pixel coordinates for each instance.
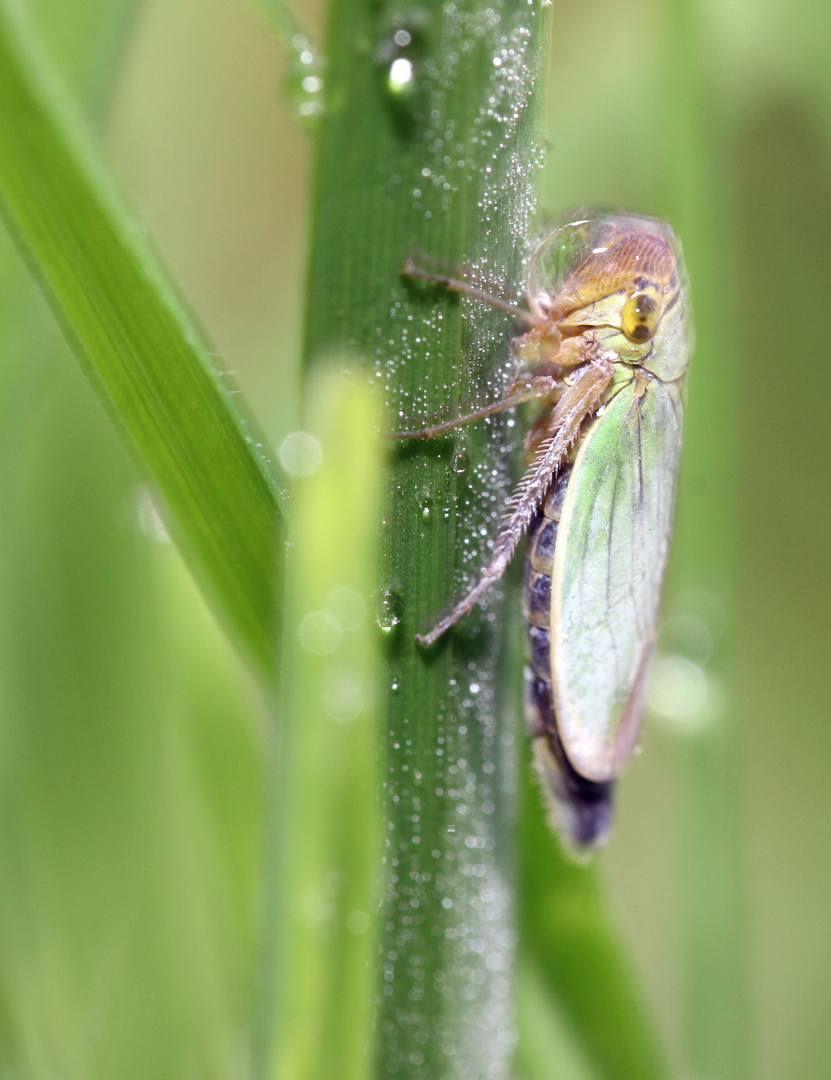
(606, 349)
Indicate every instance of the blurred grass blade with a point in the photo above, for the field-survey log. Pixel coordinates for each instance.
(548, 1045)
(303, 83)
(325, 856)
(283, 20)
(718, 979)
(137, 345)
(566, 933)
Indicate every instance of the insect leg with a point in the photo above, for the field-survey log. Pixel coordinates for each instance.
(578, 402)
(535, 388)
(409, 269)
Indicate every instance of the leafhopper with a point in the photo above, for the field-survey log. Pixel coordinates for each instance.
(605, 351)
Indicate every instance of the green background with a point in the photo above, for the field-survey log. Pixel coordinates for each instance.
(131, 738)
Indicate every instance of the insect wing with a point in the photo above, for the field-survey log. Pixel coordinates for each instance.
(608, 566)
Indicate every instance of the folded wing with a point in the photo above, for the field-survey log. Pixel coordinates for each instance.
(608, 565)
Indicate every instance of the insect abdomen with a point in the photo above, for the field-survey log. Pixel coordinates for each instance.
(583, 808)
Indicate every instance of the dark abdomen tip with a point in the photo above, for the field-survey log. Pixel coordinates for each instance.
(582, 809)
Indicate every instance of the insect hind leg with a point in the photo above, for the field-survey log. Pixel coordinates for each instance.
(578, 402)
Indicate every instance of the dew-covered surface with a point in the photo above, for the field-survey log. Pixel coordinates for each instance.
(439, 165)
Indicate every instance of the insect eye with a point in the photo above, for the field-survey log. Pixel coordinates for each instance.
(640, 316)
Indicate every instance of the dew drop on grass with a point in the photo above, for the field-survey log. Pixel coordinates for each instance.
(461, 460)
(399, 54)
(304, 84)
(425, 504)
(389, 609)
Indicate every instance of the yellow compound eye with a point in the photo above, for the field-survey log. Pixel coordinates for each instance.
(640, 316)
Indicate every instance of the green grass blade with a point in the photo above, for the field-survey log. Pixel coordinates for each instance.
(548, 1045)
(707, 554)
(87, 40)
(566, 931)
(138, 347)
(316, 1018)
(282, 19)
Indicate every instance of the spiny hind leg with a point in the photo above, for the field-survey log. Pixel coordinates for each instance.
(578, 402)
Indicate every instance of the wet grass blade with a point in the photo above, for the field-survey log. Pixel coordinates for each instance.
(429, 145)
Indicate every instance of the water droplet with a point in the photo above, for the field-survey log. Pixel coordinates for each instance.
(399, 54)
(425, 503)
(304, 84)
(400, 75)
(389, 610)
(461, 460)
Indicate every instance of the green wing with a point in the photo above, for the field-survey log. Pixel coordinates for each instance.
(608, 565)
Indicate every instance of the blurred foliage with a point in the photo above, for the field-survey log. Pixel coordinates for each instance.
(209, 478)
(131, 742)
(319, 941)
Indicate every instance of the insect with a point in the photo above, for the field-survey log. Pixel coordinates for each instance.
(606, 347)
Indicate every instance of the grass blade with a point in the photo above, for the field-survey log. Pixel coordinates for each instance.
(138, 347)
(322, 892)
(566, 932)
